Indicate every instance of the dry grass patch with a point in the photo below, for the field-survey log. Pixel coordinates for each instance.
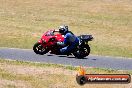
(36, 71)
(13, 84)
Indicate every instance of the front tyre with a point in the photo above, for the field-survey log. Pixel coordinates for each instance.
(39, 49)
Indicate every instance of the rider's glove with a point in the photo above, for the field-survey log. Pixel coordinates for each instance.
(56, 30)
(60, 44)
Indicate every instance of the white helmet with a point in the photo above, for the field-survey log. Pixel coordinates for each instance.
(63, 29)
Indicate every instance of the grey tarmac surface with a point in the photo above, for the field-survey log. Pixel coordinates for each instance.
(119, 63)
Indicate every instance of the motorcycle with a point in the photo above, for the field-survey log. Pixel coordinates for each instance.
(48, 43)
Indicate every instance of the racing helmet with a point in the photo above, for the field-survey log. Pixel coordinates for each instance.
(63, 29)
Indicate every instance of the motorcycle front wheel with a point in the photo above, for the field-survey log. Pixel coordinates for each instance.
(39, 49)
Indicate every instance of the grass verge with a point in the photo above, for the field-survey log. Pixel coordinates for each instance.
(20, 74)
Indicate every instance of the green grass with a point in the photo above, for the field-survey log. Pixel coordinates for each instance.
(23, 22)
(67, 67)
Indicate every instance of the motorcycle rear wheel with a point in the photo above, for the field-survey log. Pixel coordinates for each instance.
(39, 49)
(82, 52)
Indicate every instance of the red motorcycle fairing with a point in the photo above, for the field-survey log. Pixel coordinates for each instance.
(49, 38)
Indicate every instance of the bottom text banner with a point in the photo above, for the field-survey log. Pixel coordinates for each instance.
(103, 78)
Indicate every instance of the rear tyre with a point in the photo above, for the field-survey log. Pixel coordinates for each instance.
(86, 50)
(82, 52)
(39, 49)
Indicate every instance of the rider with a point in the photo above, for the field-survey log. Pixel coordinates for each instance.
(70, 40)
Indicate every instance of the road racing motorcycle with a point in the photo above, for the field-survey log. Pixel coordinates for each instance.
(48, 43)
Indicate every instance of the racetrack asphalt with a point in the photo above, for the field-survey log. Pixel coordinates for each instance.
(119, 63)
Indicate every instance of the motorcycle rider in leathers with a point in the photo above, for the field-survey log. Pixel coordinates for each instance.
(70, 40)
